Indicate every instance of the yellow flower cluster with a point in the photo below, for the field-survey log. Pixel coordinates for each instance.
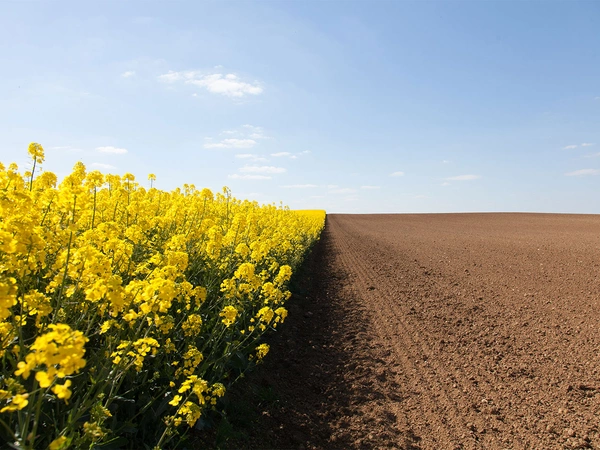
(133, 353)
(113, 294)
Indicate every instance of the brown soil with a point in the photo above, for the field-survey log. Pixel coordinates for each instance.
(442, 331)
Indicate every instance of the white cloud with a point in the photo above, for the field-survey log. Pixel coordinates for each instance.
(569, 147)
(111, 149)
(587, 144)
(370, 187)
(592, 155)
(229, 85)
(463, 178)
(299, 186)
(288, 155)
(237, 176)
(255, 132)
(128, 74)
(343, 191)
(445, 183)
(421, 196)
(231, 143)
(445, 161)
(262, 169)
(244, 137)
(251, 156)
(102, 166)
(583, 173)
(397, 174)
(172, 76)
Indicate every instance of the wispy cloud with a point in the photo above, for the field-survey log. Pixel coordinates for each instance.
(237, 176)
(370, 187)
(592, 155)
(299, 186)
(343, 191)
(128, 74)
(583, 173)
(231, 143)
(587, 144)
(98, 165)
(251, 157)
(463, 178)
(290, 155)
(445, 183)
(255, 132)
(397, 174)
(262, 169)
(570, 147)
(111, 149)
(229, 84)
(246, 136)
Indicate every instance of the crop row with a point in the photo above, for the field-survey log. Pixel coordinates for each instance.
(125, 312)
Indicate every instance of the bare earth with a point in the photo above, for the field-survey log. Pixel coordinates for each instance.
(442, 331)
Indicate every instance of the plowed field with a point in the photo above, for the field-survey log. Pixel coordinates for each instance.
(443, 331)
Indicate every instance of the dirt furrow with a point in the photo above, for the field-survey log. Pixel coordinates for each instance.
(444, 418)
(417, 383)
(477, 342)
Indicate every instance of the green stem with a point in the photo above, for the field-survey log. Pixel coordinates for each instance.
(36, 420)
(32, 172)
(94, 210)
(64, 280)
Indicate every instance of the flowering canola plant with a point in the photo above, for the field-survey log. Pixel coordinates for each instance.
(124, 311)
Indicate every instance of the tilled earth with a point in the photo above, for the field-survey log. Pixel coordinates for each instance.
(441, 331)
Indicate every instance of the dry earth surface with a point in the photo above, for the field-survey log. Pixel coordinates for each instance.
(441, 331)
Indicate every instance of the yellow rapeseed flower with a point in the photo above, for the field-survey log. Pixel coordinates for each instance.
(146, 274)
(175, 400)
(36, 151)
(229, 314)
(63, 391)
(17, 403)
(261, 351)
(58, 443)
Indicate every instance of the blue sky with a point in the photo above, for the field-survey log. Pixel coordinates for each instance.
(348, 106)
